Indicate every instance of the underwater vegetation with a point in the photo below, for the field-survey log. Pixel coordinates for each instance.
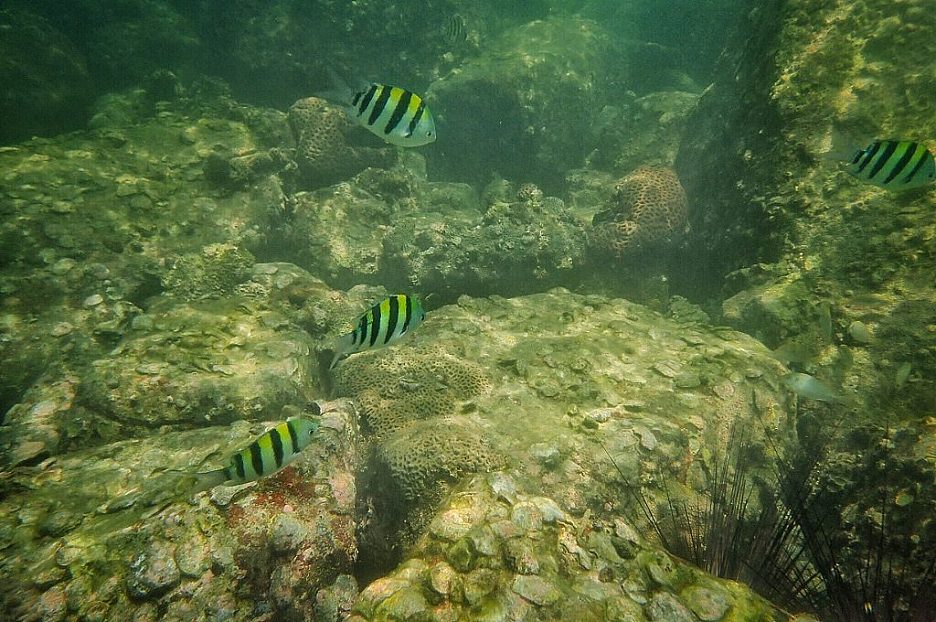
(845, 541)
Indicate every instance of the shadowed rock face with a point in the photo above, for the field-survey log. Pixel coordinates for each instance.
(506, 110)
(47, 88)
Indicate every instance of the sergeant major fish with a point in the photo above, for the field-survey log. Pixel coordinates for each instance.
(383, 324)
(892, 164)
(397, 115)
(269, 453)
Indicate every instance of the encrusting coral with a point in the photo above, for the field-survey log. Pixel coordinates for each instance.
(648, 207)
(428, 452)
(395, 388)
(324, 153)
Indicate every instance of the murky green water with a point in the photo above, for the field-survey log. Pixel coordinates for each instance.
(677, 263)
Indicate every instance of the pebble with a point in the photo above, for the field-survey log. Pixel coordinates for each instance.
(708, 604)
(287, 533)
(549, 510)
(61, 329)
(527, 516)
(193, 558)
(42, 410)
(503, 486)
(521, 556)
(647, 439)
(724, 389)
(664, 607)
(442, 578)
(126, 190)
(153, 571)
(660, 567)
(93, 300)
(669, 369)
(52, 605)
(600, 415)
(141, 202)
(453, 524)
(63, 266)
(546, 454)
(536, 589)
(478, 584)
(405, 604)
(859, 332)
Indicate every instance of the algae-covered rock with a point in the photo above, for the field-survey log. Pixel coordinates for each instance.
(570, 383)
(212, 273)
(821, 250)
(180, 365)
(517, 107)
(108, 532)
(464, 574)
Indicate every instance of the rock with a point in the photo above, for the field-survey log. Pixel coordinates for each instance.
(53, 89)
(707, 603)
(664, 607)
(536, 590)
(553, 58)
(154, 571)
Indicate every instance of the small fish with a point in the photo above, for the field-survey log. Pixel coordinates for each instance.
(456, 30)
(398, 116)
(825, 322)
(903, 374)
(894, 164)
(384, 323)
(810, 388)
(272, 450)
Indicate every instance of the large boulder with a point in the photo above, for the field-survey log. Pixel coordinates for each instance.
(521, 107)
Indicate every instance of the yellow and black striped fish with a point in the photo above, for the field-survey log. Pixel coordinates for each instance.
(894, 164)
(272, 450)
(383, 324)
(398, 116)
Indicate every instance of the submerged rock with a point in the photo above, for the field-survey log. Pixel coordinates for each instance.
(410, 500)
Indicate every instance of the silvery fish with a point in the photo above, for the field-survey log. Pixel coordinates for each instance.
(383, 324)
(272, 451)
(810, 388)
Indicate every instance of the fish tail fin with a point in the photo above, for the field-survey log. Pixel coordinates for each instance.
(842, 148)
(342, 349)
(339, 354)
(207, 480)
(338, 91)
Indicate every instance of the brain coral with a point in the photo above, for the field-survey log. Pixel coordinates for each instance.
(397, 386)
(324, 153)
(428, 453)
(648, 207)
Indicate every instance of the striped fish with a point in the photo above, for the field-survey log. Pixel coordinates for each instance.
(894, 164)
(398, 116)
(272, 450)
(383, 324)
(456, 30)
